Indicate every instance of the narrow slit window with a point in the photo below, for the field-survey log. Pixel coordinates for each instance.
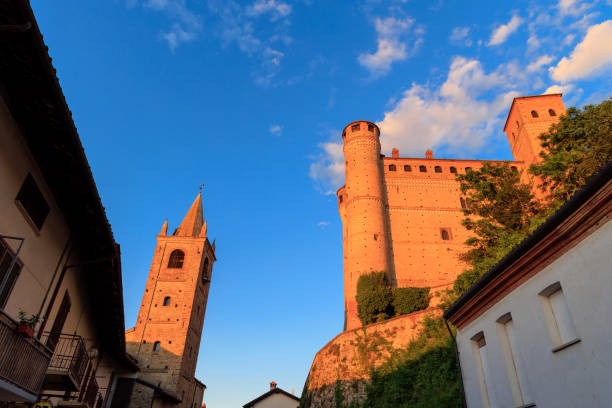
(392, 167)
(167, 301)
(407, 167)
(370, 127)
(177, 257)
(445, 234)
(205, 271)
(552, 112)
(438, 169)
(423, 169)
(514, 368)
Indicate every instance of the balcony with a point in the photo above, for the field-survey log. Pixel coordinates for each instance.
(23, 363)
(68, 364)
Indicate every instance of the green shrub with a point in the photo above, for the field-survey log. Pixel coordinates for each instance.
(374, 298)
(409, 300)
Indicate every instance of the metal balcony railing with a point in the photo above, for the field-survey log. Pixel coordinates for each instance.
(68, 364)
(91, 393)
(23, 360)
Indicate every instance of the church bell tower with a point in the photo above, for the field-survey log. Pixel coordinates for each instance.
(166, 338)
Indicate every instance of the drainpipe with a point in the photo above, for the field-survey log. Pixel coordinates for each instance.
(458, 362)
(57, 268)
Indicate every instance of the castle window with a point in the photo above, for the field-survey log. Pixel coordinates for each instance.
(392, 167)
(468, 169)
(156, 346)
(32, 202)
(514, 169)
(407, 167)
(445, 234)
(453, 170)
(463, 204)
(370, 127)
(375, 237)
(167, 301)
(551, 112)
(355, 127)
(534, 114)
(438, 169)
(176, 259)
(344, 134)
(423, 169)
(340, 198)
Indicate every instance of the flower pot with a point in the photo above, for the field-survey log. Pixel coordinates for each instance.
(26, 330)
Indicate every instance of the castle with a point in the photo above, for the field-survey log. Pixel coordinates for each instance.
(403, 215)
(166, 338)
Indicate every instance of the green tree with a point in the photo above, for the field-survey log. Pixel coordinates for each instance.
(410, 299)
(574, 149)
(501, 212)
(374, 297)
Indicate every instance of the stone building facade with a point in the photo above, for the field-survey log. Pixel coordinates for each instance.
(403, 215)
(166, 338)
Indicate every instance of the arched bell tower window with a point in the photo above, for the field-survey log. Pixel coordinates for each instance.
(167, 301)
(205, 277)
(176, 259)
(534, 114)
(551, 112)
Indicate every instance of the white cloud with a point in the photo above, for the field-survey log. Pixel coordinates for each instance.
(539, 63)
(461, 36)
(590, 57)
(555, 89)
(459, 114)
(276, 130)
(572, 7)
(501, 33)
(322, 224)
(185, 26)
(391, 45)
(276, 9)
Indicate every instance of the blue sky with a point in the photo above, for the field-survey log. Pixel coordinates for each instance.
(250, 98)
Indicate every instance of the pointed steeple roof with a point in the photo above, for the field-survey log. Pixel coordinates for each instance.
(192, 223)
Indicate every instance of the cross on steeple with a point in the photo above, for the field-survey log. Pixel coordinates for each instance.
(201, 187)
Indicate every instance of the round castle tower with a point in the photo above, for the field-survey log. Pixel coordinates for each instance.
(362, 205)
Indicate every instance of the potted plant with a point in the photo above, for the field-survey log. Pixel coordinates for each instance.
(27, 323)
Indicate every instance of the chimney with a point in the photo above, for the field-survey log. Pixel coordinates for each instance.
(272, 385)
(429, 154)
(395, 153)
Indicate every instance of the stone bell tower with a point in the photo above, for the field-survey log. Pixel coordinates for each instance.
(166, 338)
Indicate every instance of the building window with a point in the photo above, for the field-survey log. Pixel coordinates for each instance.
(392, 167)
(355, 127)
(340, 198)
(453, 170)
(58, 323)
(31, 200)
(551, 112)
(468, 169)
(445, 234)
(438, 169)
(176, 259)
(423, 169)
(558, 318)
(156, 346)
(479, 347)
(407, 167)
(205, 271)
(370, 127)
(463, 204)
(167, 301)
(6, 258)
(514, 169)
(534, 114)
(514, 367)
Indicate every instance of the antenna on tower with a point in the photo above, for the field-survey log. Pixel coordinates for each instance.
(201, 187)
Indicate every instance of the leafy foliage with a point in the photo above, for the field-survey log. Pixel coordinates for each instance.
(374, 298)
(376, 301)
(409, 300)
(501, 212)
(574, 149)
(426, 374)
